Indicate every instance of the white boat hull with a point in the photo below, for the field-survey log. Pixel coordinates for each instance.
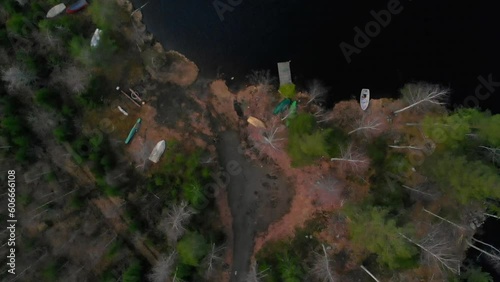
(364, 99)
(56, 10)
(157, 151)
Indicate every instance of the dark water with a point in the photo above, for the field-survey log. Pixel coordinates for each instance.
(446, 42)
(452, 43)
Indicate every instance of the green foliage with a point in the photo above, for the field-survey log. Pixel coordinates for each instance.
(463, 179)
(286, 260)
(192, 248)
(288, 90)
(14, 129)
(24, 199)
(17, 24)
(133, 272)
(48, 98)
(307, 142)
(489, 130)
(106, 14)
(476, 275)
(92, 97)
(61, 134)
(371, 229)
(290, 268)
(49, 273)
(193, 193)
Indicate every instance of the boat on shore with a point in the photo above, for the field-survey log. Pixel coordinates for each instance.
(157, 151)
(77, 6)
(133, 131)
(364, 99)
(56, 10)
(282, 106)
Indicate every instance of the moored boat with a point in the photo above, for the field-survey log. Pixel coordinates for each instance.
(364, 99)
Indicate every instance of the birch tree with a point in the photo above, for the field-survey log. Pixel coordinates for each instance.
(254, 275)
(317, 91)
(352, 158)
(212, 260)
(423, 95)
(270, 138)
(322, 267)
(439, 247)
(163, 268)
(366, 123)
(173, 225)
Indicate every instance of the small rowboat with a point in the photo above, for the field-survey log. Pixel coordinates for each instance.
(77, 6)
(56, 10)
(256, 122)
(364, 99)
(157, 151)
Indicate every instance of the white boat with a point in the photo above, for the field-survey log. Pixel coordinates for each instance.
(56, 10)
(364, 98)
(157, 151)
(95, 38)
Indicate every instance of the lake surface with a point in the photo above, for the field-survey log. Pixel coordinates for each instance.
(446, 42)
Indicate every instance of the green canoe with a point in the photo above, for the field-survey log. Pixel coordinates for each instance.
(133, 130)
(282, 106)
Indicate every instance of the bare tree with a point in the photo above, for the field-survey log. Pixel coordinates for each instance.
(212, 260)
(322, 267)
(369, 273)
(440, 247)
(173, 225)
(18, 77)
(422, 190)
(317, 91)
(75, 79)
(42, 121)
(328, 183)
(163, 268)
(321, 115)
(48, 41)
(270, 139)
(261, 77)
(366, 123)
(352, 158)
(254, 275)
(422, 95)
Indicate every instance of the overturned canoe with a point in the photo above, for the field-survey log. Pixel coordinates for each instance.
(56, 10)
(77, 6)
(157, 151)
(256, 122)
(282, 106)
